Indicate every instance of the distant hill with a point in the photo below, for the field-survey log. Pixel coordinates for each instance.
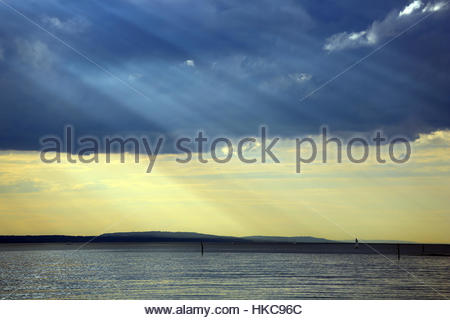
(167, 236)
(286, 239)
(155, 236)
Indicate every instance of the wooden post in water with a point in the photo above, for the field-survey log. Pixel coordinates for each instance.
(398, 251)
(201, 245)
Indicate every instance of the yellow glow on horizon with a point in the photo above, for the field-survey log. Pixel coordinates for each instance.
(335, 201)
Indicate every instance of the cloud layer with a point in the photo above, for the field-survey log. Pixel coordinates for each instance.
(227, 67)
(392, 25)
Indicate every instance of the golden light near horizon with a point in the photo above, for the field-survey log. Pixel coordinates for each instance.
(333, 200)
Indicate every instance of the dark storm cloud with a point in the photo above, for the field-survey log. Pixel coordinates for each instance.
(223, 66)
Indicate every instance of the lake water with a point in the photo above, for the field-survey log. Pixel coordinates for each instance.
(180, 272)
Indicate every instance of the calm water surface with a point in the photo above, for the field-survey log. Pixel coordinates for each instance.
(165, 273)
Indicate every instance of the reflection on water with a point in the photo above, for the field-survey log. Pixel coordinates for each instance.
(137, 273)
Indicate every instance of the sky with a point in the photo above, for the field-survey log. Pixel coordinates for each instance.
(174, 67)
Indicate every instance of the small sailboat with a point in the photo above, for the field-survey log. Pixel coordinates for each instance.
(356, 243)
